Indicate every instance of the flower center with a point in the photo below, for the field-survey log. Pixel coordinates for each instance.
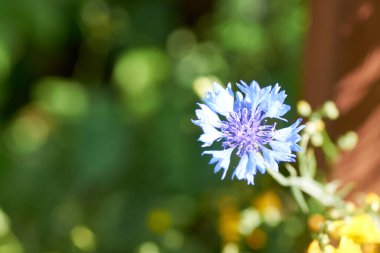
(246, 130)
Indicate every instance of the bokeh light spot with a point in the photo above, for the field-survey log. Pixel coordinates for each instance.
(174, 239)
(203, 84)
(95, 13)
(149, 247)
(269, 205)
(257, 239)
(229, 224)
(249, 220)
(242, 37)
(231, 248)
(83, 238)
(180, 42)
(4, 224)
(28, 132)
(11, 246)
(139, 69)
(60, 97)
(205, 60)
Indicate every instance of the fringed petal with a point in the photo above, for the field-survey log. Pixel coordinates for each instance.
(221, 158)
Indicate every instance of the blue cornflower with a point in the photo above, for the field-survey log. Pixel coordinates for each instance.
(246, 126)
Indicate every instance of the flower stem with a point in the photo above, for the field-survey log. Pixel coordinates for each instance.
(309, 186)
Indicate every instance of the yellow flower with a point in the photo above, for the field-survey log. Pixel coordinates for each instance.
(315, 222)
(347, 245)
(266, 201)
(330, 249)
(314, 247)
(371, 248)
(334, 228)
(229, 224)
(269, 206)
(361, 229)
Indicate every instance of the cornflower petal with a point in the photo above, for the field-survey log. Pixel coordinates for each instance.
(222, 158)
(206, 116)
(241, 169)
(289, 133)
(260, 163)
(210, 135)
(269, 159)
(220, 100)
(274, 105)
(246, 168)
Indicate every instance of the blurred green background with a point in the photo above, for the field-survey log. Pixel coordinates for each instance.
(97, 151)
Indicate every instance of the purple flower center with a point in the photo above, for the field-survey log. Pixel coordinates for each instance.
(246, 130)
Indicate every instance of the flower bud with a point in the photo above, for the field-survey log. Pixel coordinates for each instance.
(303, 108)
(330, 110)
(315, 222)
(348, 141)
(315, 126)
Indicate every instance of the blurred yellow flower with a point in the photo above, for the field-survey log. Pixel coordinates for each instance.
(334, 228)
(347, 245)
(257, 239)
(315, 222)
(269, 206)
(229, 224)
(231, 248)
(266, 201)
(371, 248)
(361, 229)
(314, 247)
(330, 249)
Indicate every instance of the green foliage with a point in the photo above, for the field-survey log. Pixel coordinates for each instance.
(97, 150)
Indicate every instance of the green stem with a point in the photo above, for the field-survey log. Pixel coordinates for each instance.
(304, 142)
(309, 186)
(283, 181)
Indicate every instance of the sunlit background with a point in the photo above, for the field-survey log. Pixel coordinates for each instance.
(97, 150)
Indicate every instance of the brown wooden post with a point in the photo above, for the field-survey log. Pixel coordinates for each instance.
(342, 63)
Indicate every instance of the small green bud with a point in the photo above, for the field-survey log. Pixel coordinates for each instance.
(348, 141)
(303, 108)
(330, 110)
(314, 126)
